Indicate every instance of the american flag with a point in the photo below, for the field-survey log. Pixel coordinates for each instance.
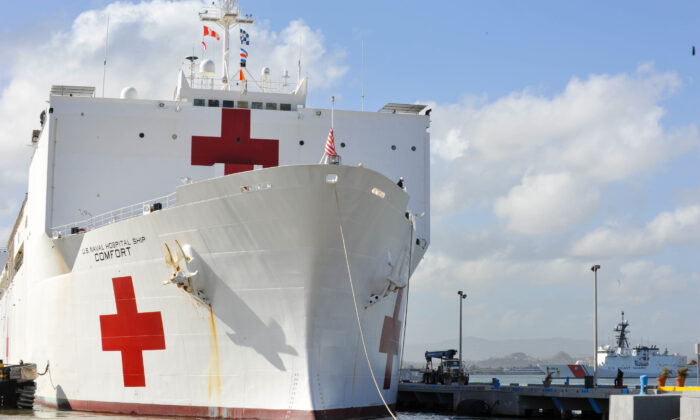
(330, 145)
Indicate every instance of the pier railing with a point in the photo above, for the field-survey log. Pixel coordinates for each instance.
(113, 216)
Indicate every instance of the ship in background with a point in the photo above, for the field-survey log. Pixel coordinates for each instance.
(633, 362)
(191, 257)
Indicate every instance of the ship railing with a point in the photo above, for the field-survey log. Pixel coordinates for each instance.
(251, 85)
(113, 216)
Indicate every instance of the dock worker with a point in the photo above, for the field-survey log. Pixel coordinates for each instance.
(618, 379)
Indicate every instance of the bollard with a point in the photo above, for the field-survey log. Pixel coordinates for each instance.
(644, 379)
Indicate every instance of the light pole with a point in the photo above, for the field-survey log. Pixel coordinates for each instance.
(462, 296)
(595, 269)
(697, 365)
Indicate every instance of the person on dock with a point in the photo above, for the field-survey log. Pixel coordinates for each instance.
(548, 380)
(618, 379)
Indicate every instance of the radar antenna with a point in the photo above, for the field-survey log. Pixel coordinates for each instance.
(622, 330)
(228, 15)
(192, 58)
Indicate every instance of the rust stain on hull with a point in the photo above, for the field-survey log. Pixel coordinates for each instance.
(214, 360)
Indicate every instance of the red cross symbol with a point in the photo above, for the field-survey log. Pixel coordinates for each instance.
(131, 332)
(235, 149)
(389, 343)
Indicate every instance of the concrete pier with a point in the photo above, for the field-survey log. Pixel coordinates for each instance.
(508, 400)
(645, 407)
(690, 405)
(664, 403)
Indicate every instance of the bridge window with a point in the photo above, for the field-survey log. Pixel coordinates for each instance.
(285, 107)
(243, 104)
(199, 102)
(214, 103)
(271, 106)
(257, 105)
(228, 104)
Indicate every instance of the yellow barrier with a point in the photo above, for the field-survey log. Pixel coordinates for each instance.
(679, 388)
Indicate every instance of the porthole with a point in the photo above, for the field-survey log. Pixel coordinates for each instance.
(141, 135)
(238, 139)
(174, 136)
(413, 148)
(342, 144)
(393, 147)
(301, 142)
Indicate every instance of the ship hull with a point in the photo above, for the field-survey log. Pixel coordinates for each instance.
(273, 332)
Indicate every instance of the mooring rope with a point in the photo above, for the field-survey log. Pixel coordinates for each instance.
(354, 301)
(408, 290)
(45, 369)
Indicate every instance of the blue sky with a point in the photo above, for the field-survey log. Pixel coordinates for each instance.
(564, 134)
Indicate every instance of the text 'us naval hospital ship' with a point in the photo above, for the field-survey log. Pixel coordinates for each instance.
(192, 257)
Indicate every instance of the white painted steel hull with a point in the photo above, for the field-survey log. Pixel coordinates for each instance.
(280, 339)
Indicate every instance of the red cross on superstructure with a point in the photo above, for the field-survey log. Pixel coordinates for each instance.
(131, 332)
(235, 149)
(389, 343)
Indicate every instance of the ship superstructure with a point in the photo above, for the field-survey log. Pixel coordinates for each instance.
(189, 257)
(632, 361)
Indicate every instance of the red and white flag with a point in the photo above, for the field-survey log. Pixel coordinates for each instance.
(330, 145)
(212, 33)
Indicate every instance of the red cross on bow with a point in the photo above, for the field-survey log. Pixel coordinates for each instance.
(235, 149)
(131, 332)
(389, 343)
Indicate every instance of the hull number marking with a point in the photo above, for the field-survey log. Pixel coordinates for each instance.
(389, 343)
(131, 332)
(235, 149)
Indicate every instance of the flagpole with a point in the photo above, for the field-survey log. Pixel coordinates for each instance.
(363, 75)
(104, 68)
(332, 110)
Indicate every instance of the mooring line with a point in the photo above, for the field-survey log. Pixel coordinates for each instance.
(357, 312)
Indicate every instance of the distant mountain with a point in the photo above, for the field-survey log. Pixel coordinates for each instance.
(515, 352)
(481, 349)
(559, 358)
(518, 359)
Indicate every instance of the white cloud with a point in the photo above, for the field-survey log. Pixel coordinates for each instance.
(598, 130)
(674, 227)
(641, 281)
(477, 275)
(547, 203)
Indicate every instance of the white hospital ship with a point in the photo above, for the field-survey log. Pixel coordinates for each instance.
(190, 256)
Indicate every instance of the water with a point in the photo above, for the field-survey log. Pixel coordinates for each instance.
(47, 413)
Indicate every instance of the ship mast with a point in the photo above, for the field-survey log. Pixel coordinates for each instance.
(622, 330)
(228, 15)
